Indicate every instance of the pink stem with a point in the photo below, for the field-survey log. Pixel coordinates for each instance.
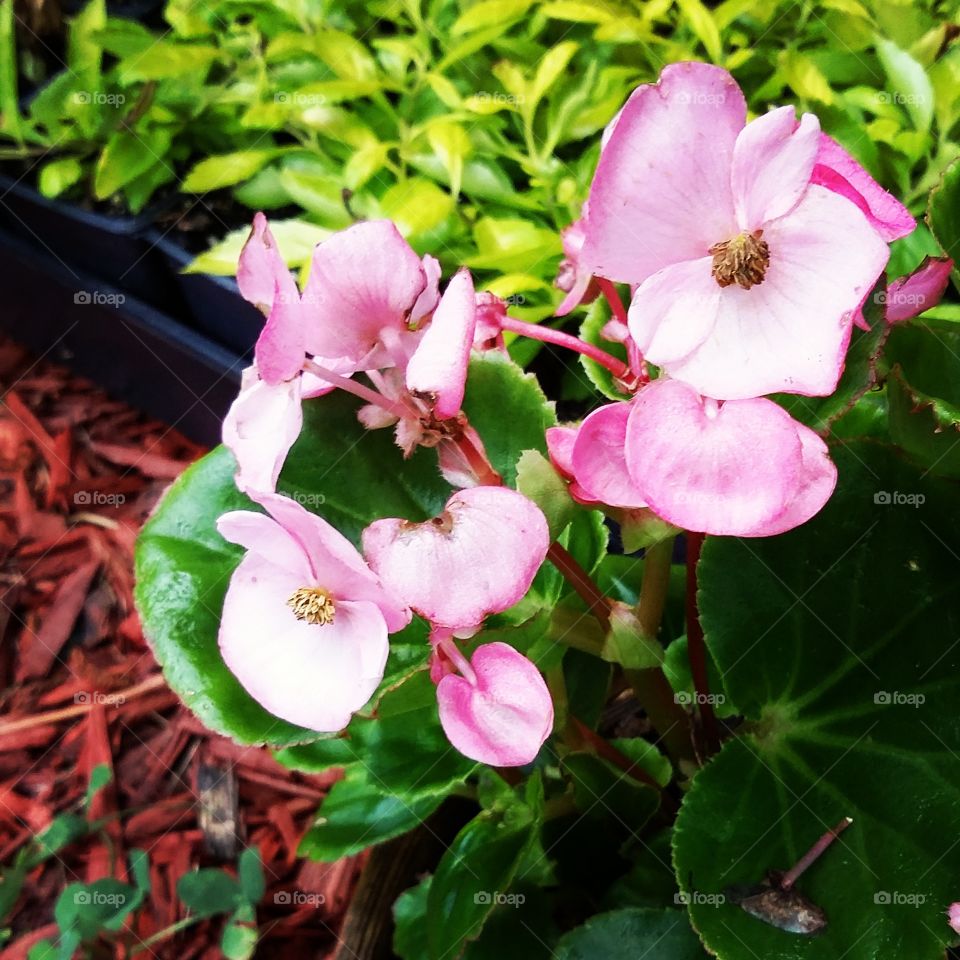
(536, 332)
(357, 389)
(793, 874)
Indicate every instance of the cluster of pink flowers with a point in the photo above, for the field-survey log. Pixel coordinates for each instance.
(749, 249)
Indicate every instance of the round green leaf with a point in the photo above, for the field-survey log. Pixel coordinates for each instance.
(839, 643)
(630, 934)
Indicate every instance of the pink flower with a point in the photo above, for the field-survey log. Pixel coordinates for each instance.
(365, 289)
(305, 622)
(749, 273)
(498, 709)
(478, 557)
(265, 281)
(911, 295)
(599, 460)
(739, 468)
(259, 429)
(953, 916)
(573, 277)
(560, 444)
(836, 170)
(438, 367)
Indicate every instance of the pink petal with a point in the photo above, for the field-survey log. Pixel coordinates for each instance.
(455, 468)
(838, 171)
(661, 193)
(772, 163)
(260, 428)
(363, 280)
(257, 533)
(790, 332)
(675, 310)
(261, 268)
(726, 471)
(502, 715)
(599, 459)
(818, 478)
(438, 367)
(909, 296)
(309, 674)
(478, 557)
(334, 561)
(560, 441)
(280, 348)
(572, 278)
(426, 303)
(953, 916)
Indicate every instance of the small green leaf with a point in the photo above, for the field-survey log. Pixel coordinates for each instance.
(58, 176)
(598, 315)
(701, 22)
(603, 791)
(239, 938)
(943, 215)
(632, 933)
(126, 156)
(357, 814)
(538, 480)
(490, 13)
(494, 384)
(910, 83)
(410, 922)
(250, 873)
(208, 892)
(474, 873)
(225, 170)
(100, 776)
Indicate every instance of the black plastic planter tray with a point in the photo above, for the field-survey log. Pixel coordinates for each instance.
(214, 302)
(114, 249)
(133, 351)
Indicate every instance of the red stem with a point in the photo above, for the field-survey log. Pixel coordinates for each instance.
(581, 581)
(696, 648)
(480, 465)
(793, 874)
(612, 297)
(557, 337)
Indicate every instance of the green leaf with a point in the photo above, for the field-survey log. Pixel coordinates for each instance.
(208, 892)
(90, 908)
(538, 480)
(250, 873)
(630, 934)
(225, 170)
(357, 814)
(911, 85)
(605, 792)
(451, 143)
(409, 922)
(165, 59)
(474, 873)
(495, 384)
(598, 315)
(100, 776)
(928, 428)
(943, 215)
(353, 476)
(239, 938)
(58, 176)
(126, 156)
(417, 206)
(490, 13)
(549, 70)
(834, 639)
(701, 22)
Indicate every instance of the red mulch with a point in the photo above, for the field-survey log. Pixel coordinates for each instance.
(79, 687)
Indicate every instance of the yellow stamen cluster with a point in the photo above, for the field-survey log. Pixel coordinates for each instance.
(742, 260)
(313, 605)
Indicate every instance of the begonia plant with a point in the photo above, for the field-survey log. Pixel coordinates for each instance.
(661, 647)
